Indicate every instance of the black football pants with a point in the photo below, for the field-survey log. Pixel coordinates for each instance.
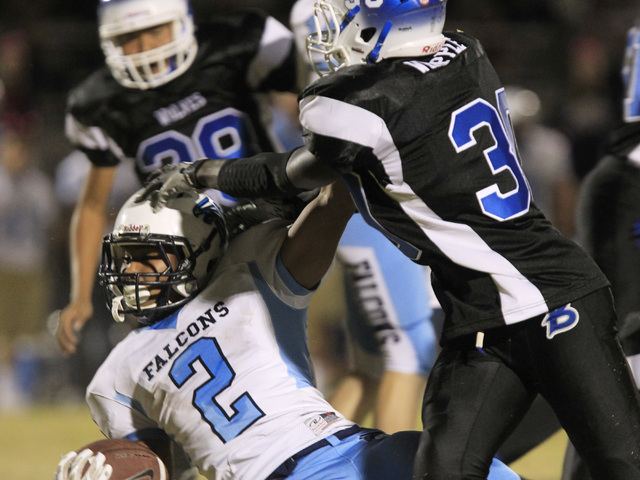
(476, 397)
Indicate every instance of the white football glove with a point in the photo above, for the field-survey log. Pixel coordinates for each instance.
(72, 465)
(170, 181)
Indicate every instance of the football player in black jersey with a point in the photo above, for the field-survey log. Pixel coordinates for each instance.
(609, 221)
(415, 121)
(171, 91)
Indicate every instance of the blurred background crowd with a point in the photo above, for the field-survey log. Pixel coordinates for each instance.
(560, 59)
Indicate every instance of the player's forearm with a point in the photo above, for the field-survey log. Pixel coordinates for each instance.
(264, 175)
(87, 228)
(311, 242)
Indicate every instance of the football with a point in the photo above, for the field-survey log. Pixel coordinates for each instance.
(130, 460)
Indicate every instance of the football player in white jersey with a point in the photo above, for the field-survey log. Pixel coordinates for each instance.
(390, 319)
(219, 367)
(175, 90)
(415, 121)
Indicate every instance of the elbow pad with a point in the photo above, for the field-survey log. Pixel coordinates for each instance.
(263, 175)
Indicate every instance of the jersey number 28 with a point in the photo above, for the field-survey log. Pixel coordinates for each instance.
(224, 134)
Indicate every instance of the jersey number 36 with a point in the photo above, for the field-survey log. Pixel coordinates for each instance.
(502, 156)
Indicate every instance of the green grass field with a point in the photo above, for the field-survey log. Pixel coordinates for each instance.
(33, 440)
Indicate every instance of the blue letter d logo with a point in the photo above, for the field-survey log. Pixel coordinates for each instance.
(560, 320)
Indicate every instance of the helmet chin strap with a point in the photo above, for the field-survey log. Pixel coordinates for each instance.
(116, 312)
(375, 53)
(128, 298)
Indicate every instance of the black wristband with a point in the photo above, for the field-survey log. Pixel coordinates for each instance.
(191, 172)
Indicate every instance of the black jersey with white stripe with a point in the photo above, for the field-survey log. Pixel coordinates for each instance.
(427, 149)
(209, 111)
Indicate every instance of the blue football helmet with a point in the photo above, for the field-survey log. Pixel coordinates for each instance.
(190, 229)
(351, 32)
(118, 19)
(631, 76)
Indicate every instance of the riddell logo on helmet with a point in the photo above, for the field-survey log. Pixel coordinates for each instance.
(431, 49)
(142, 229)
(139, 13)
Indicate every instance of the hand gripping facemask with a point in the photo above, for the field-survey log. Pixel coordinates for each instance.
(190, 229)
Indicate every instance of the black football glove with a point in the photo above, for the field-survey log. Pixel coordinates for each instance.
(242, 217)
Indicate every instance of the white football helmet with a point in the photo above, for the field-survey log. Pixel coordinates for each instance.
(155, 67)
(350, 32)
(190, 226)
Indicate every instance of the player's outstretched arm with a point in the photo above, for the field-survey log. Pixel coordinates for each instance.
(264, 175)
(87, 227)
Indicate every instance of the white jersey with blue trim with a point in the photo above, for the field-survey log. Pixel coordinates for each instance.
(228, 377)
(386, 294)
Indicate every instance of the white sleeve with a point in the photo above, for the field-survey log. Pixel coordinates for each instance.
(116, 414)
(118, 419)
(266, 239)
(91, 138)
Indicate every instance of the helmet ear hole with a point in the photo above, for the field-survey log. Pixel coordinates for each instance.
(367, 34)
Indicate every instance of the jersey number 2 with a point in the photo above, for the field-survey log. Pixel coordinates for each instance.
(500, 157)
(245, 412)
